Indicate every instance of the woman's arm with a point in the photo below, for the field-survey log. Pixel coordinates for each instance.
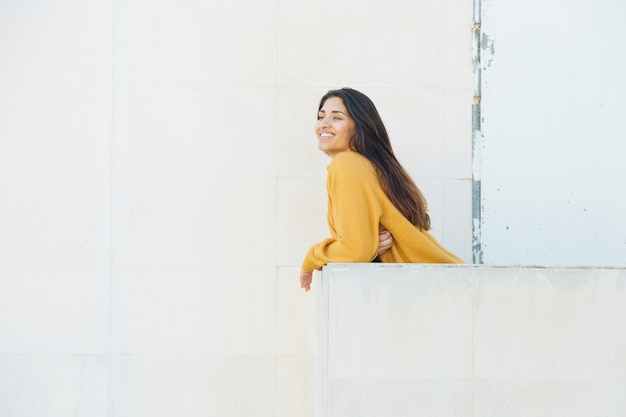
(385, 241)
(353, 213)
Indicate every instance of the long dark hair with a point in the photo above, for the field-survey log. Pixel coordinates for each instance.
(372, 141)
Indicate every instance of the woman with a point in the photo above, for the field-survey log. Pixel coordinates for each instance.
(368, 191)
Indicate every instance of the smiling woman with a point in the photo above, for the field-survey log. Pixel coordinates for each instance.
(368, 191)
(334, 127)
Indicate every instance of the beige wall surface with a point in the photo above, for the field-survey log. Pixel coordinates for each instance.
(160, 184)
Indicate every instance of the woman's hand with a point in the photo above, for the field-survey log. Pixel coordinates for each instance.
(305, 280)
(385, 240)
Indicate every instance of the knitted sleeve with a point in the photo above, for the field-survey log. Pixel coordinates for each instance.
(354, 213)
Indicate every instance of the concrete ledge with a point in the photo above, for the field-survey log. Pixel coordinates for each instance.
(434, 340)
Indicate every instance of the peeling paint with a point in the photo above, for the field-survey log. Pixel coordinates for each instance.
(488, 50)
(476, 67)
(477, 247)
(477, 250)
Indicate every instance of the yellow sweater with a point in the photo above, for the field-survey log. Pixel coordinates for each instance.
(357, 205)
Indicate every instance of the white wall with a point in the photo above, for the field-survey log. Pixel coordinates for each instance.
(554, 133)
(479, 341)
(160, 184)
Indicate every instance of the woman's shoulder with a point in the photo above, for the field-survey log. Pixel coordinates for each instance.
(351, 167)
(350, 160)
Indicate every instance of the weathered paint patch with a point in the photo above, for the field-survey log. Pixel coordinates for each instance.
(488, 50)
(477, 248)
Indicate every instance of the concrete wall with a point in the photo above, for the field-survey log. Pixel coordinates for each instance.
(417, 340)
(160, 184)
(553, 131)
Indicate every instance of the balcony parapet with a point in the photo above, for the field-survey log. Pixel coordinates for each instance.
(471, 340)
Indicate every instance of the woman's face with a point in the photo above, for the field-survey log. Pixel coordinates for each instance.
(334, 127)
